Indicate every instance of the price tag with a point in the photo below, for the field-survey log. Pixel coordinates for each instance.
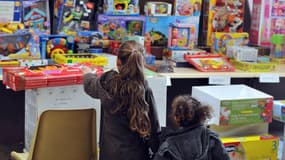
(221, 80)
(269, 78)
(168, 81)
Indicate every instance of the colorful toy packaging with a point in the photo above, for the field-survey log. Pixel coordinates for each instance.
(279, 110)
(157, 9)
(242, 148)
(80, 58)
(10, 11)
(222, 40)
(116, 27)
(181, 36)
(36, 15)
(121, 7)
(75, 16)
(55, 44)
(267, 19)
(187, 7)
(225, 16)
(158, 33)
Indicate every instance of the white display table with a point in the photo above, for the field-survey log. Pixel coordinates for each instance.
(74, 97)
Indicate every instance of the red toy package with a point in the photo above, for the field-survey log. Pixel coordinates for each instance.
(210, 63)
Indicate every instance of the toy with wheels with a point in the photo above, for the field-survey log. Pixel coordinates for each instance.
(56, 46)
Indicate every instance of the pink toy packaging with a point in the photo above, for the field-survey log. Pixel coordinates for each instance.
(181, 36)
(116, 27)
(121, 7)
(36, 15)
(268, 18)
(188, 7)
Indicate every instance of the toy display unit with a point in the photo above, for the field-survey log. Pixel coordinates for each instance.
(75, 16)
(241, 148)
(225, 16)
(121, 7)
(157, 9)
(240, 105)
(158, 33)
(55, 44)
(181, 36)
(80, 58)
(187, 7)
(36, 15)
(222, 40)
(116, 27)
(210, 63)
(10, 11)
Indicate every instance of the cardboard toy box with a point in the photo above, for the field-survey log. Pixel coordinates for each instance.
(252, 147)
(279, 110)
(235, 104)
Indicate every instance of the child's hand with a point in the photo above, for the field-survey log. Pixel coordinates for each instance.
(86, 70)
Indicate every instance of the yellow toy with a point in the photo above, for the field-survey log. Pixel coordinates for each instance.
(80, 58)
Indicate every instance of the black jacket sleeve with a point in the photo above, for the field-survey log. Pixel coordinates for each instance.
(218, 150)
(153, 140)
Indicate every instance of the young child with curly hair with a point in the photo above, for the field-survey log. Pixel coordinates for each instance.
(192, 140)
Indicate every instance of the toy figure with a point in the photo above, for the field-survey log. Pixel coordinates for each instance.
(197, 9)
(73, 17)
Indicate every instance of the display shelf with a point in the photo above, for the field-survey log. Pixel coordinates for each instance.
(193, 73)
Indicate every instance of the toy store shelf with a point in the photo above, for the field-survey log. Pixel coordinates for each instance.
(193, 73)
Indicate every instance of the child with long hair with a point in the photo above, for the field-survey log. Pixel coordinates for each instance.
(129, 123)
(192, 140)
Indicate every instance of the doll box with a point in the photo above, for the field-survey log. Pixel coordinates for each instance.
(246, 147)
(187, 7)
(235, 104)
(279, 110)
(121, 7)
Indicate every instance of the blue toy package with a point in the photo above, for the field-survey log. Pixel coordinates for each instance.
(121, 7)
(10, 10)
(74, 16)
(157, 29)
(116, 27)
(55, 44)
(20, 45)
(36, 15)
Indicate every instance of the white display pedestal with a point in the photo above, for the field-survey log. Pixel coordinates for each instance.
(74, 97)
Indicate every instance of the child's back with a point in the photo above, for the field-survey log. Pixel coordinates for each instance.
(192, 141)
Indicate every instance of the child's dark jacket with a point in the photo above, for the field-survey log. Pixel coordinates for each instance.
(192, 143)
(117, 140)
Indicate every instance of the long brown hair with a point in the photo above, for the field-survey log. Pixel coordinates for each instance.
(129, 89)
(187, 111)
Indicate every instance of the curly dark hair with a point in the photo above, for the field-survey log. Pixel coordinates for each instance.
(187, 111)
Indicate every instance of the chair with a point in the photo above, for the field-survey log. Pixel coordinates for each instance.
(63, 135)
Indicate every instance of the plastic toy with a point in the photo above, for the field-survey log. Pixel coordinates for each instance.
(157, 9)
(242, 53)
(55, 44)
(181, 36)
(187, 7)
(210, 63)
(253, 67)
(76, 16)
(121, 7)
(116, 27)
(36, 15)
(277, 41)
(86, 40)
(222, 40)
(10, 10)
(225, 16)
(80, 58)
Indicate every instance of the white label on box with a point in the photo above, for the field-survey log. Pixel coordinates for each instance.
(269, 78)
(222, 80)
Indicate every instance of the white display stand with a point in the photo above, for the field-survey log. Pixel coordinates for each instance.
(74, 97)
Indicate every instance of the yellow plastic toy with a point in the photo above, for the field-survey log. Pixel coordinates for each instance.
(80, 58)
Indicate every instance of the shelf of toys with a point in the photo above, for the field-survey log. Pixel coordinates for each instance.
(89, 33)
